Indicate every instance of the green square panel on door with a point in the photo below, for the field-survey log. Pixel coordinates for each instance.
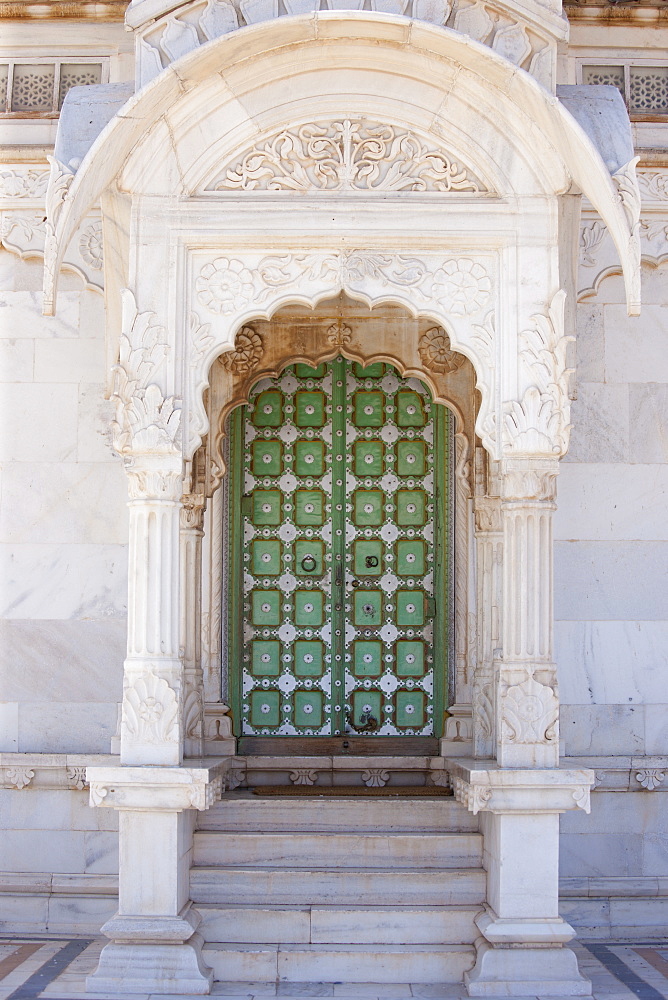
(310, 409)
(265, 708)
(410, 709)
(411, 507)
(266, 608)
(410, 557)
(410, 608)
(367, 658)
(410, 658)
(367, 705)
(368, 409)
(371, 371)
(410, 410)
(305, 371)
(308, 608)
(309, 458)
(368, 558)
(309, 557)
(268, 410)
(266, 507)
(411, 459)
(369, 458)
(308, 658)
(368, 508)
(267, 458)
(309, 507)
(368, 608)
(266, 657)
(308, 709)
(266, 558)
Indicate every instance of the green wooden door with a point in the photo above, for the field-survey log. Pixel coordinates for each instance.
(338, 518)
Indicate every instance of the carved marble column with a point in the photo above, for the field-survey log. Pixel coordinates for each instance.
(489, 593)
(151, 725)
(527, 708)
(192, 519)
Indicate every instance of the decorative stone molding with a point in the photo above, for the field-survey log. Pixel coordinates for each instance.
(76, 776)
(487, 512)
(154, 789)
(23, 182)
(504, 790)
(375, 777)
(90, 246)
(591, 238)
(346, 155)
(650, 778)
(303, 776)
(19, 777)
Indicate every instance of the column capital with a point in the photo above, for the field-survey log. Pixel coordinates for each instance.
(193, 506)
(487, 512)
(532, 479)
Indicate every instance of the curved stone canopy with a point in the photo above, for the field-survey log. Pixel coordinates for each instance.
(226, 95)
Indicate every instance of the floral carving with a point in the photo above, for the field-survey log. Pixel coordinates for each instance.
(650, 777)
(346, 155)
(439, 778)
(654, 184)
(145, 420)
(628, 192)
(591, 238)
(90, 245)
(224, 286)
(150, 711)
(234, 777)
(529, 713)
(29, 226)
(19, 777)
(76, 777)
(339, 334)
(23, 183)
(193, 709)
(539, 423)
(434, 350)
(465, 285)
(248, 350)
(60, 181)
(303, 776)
(375, 777)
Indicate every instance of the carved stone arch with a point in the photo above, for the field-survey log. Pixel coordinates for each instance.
(455, 294)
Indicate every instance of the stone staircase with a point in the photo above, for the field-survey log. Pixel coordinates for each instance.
(353, 889)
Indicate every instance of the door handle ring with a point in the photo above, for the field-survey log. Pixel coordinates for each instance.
(309, 564)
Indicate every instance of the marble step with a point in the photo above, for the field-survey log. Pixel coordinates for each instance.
(362, 963)
(356, 886)
(339, 850)
(246, 811)
(339, 924)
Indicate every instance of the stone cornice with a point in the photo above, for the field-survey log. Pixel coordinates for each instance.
(72, 10)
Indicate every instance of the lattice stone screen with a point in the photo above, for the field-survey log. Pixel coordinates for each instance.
(40, 87)
(644, 88)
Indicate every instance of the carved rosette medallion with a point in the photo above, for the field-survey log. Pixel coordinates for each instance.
(248, 350)
(224, 286)
(434, 350)
(90, 246)
(464, 285)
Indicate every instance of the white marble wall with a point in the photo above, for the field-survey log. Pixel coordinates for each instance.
(63, 524)
(611, 530)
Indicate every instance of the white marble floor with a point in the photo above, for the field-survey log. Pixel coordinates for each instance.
(44, 968)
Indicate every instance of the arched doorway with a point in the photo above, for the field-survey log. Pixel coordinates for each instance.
(338, 610)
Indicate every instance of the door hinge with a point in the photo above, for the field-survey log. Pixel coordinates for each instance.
(430, 608)
(247, 506)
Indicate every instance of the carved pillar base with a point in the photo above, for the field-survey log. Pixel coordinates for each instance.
(154, 946)
(523, 949)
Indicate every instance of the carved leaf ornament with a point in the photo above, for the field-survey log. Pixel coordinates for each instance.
(347, 155)
(529, 714)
